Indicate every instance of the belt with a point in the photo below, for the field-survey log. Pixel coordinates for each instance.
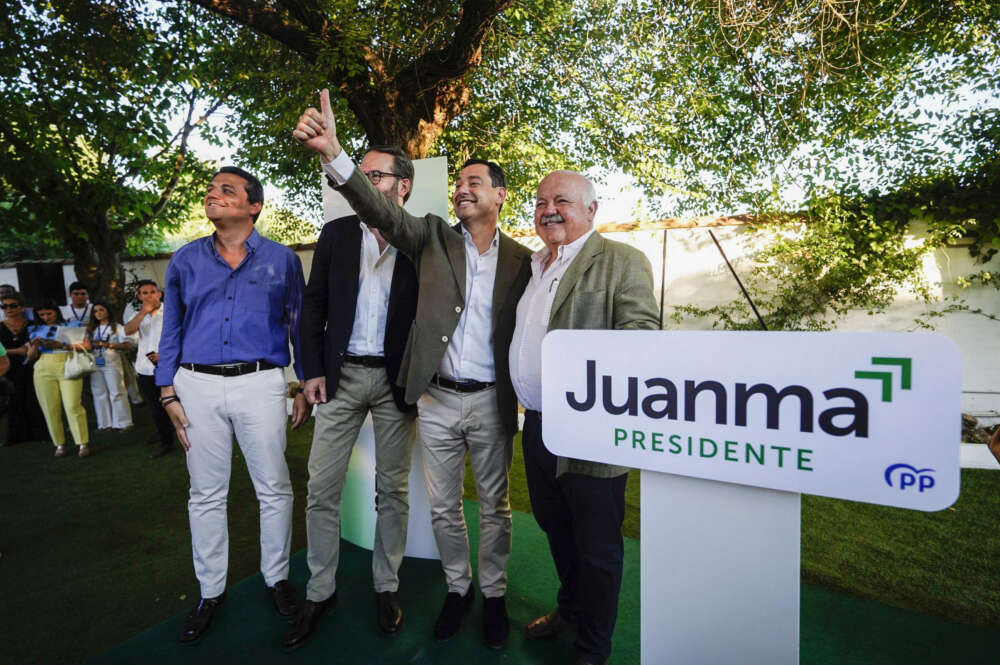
(365, 361)
(233, 369)
(468, 386)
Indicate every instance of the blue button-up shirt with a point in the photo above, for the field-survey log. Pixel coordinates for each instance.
(214, 314)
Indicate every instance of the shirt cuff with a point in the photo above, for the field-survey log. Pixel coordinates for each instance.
(340, 169)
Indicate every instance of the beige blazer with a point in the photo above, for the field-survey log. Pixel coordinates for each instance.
(437, 249)
(608, 286)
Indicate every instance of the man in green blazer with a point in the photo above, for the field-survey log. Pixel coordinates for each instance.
(579, 280)
(454, 366)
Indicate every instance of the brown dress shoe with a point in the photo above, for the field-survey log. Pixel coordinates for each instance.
(60, 451)
(548, 626)
(84, 450)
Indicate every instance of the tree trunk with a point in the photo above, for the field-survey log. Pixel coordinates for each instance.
(97, 262)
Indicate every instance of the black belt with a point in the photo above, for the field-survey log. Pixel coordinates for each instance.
(468, 386)
(365, 361)
(233, 369)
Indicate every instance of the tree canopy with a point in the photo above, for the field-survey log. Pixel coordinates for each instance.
(100, 102)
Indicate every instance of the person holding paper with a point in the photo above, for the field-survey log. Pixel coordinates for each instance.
(579, 280)
(455, 367)
(50, 343)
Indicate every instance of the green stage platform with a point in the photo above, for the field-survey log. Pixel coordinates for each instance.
(836, 629)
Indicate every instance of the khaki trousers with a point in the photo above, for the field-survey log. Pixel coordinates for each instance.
(361, 389)
(449, 425)
(55, 394)
(252, 407)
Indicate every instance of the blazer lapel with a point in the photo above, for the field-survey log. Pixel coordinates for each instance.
(455, 245)
(508, 267)
(588, 254)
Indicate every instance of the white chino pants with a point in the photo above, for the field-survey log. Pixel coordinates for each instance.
(252, 407)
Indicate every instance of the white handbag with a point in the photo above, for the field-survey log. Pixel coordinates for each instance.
(79, 364)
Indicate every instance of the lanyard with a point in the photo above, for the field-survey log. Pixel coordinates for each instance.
(79, 317)
(103, 334)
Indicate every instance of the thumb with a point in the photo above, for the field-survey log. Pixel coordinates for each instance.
(324, 104)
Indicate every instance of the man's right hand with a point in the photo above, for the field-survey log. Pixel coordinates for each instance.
(147, 308)
(315, 390)
(318, 129)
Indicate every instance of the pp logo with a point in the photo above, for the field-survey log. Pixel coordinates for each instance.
(909, 476)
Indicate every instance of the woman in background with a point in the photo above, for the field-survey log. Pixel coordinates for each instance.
(109, 343)
(55, 392)
(24, 417)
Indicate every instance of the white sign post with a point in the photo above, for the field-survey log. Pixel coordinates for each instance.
(863, 416)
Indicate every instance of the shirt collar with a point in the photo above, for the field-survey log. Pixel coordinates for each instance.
(468, 236)
(252, 243)
(564, 252)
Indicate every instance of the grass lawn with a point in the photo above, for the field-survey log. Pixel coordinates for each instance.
(92, 551)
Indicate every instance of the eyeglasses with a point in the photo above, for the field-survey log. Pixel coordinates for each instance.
(12, 305)
(376, 176)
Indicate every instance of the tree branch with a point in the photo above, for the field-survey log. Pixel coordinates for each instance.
(268, 21)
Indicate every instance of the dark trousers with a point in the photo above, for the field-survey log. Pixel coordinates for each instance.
(151, 393)
(582, 517)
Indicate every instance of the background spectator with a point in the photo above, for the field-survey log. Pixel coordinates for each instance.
(107, 384)
(55, 392)
(24, 419)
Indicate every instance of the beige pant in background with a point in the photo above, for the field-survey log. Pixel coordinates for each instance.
(336, 430)
(56, 394)
(449, 425)
(252, 407)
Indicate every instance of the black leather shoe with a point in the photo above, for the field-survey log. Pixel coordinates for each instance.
(200, 618)
(284, 599)
(548, 626)
(305, 622)
(388, 613)
(450, 619)
(496, 625)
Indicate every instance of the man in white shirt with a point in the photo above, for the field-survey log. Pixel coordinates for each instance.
(579, 280)
(77, 312)
(148, 323)
(455, 366)
(356, 314)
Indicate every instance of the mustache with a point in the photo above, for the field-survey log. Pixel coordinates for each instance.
(554, 218)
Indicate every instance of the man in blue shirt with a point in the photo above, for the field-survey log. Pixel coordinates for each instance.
(231, 306)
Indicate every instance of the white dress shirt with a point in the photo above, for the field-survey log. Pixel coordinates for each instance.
(76, 317)
(374, 282)
(533, 313)
(149, 341)
(470, 350)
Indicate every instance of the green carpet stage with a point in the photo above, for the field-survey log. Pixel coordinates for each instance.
(836, 629)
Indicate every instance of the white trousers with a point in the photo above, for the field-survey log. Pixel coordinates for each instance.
(252, 407)
(107, 385)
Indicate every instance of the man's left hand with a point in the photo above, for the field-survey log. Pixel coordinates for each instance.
(300, 410)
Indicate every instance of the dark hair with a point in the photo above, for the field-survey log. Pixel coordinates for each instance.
(496, 173)
(50, 304)
(13, 295)
(76, 286)
(255, 190)
(93, 318)
(401, 162)
(145, 282)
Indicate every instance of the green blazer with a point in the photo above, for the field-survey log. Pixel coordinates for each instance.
(437, 249)
(608, 286)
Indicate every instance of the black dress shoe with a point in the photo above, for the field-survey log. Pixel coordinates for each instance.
(200, 618)
(159, 451)
(388, 613)
(548, 626)
(305, 622)
(284, 599)
(450, 619)
(496, 625)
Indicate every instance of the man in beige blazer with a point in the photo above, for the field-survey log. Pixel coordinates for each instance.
(579, 280)
(455, 363)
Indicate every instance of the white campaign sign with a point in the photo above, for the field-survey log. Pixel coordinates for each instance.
(871, 417)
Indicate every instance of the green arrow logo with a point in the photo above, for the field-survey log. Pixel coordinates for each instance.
(905, 379)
